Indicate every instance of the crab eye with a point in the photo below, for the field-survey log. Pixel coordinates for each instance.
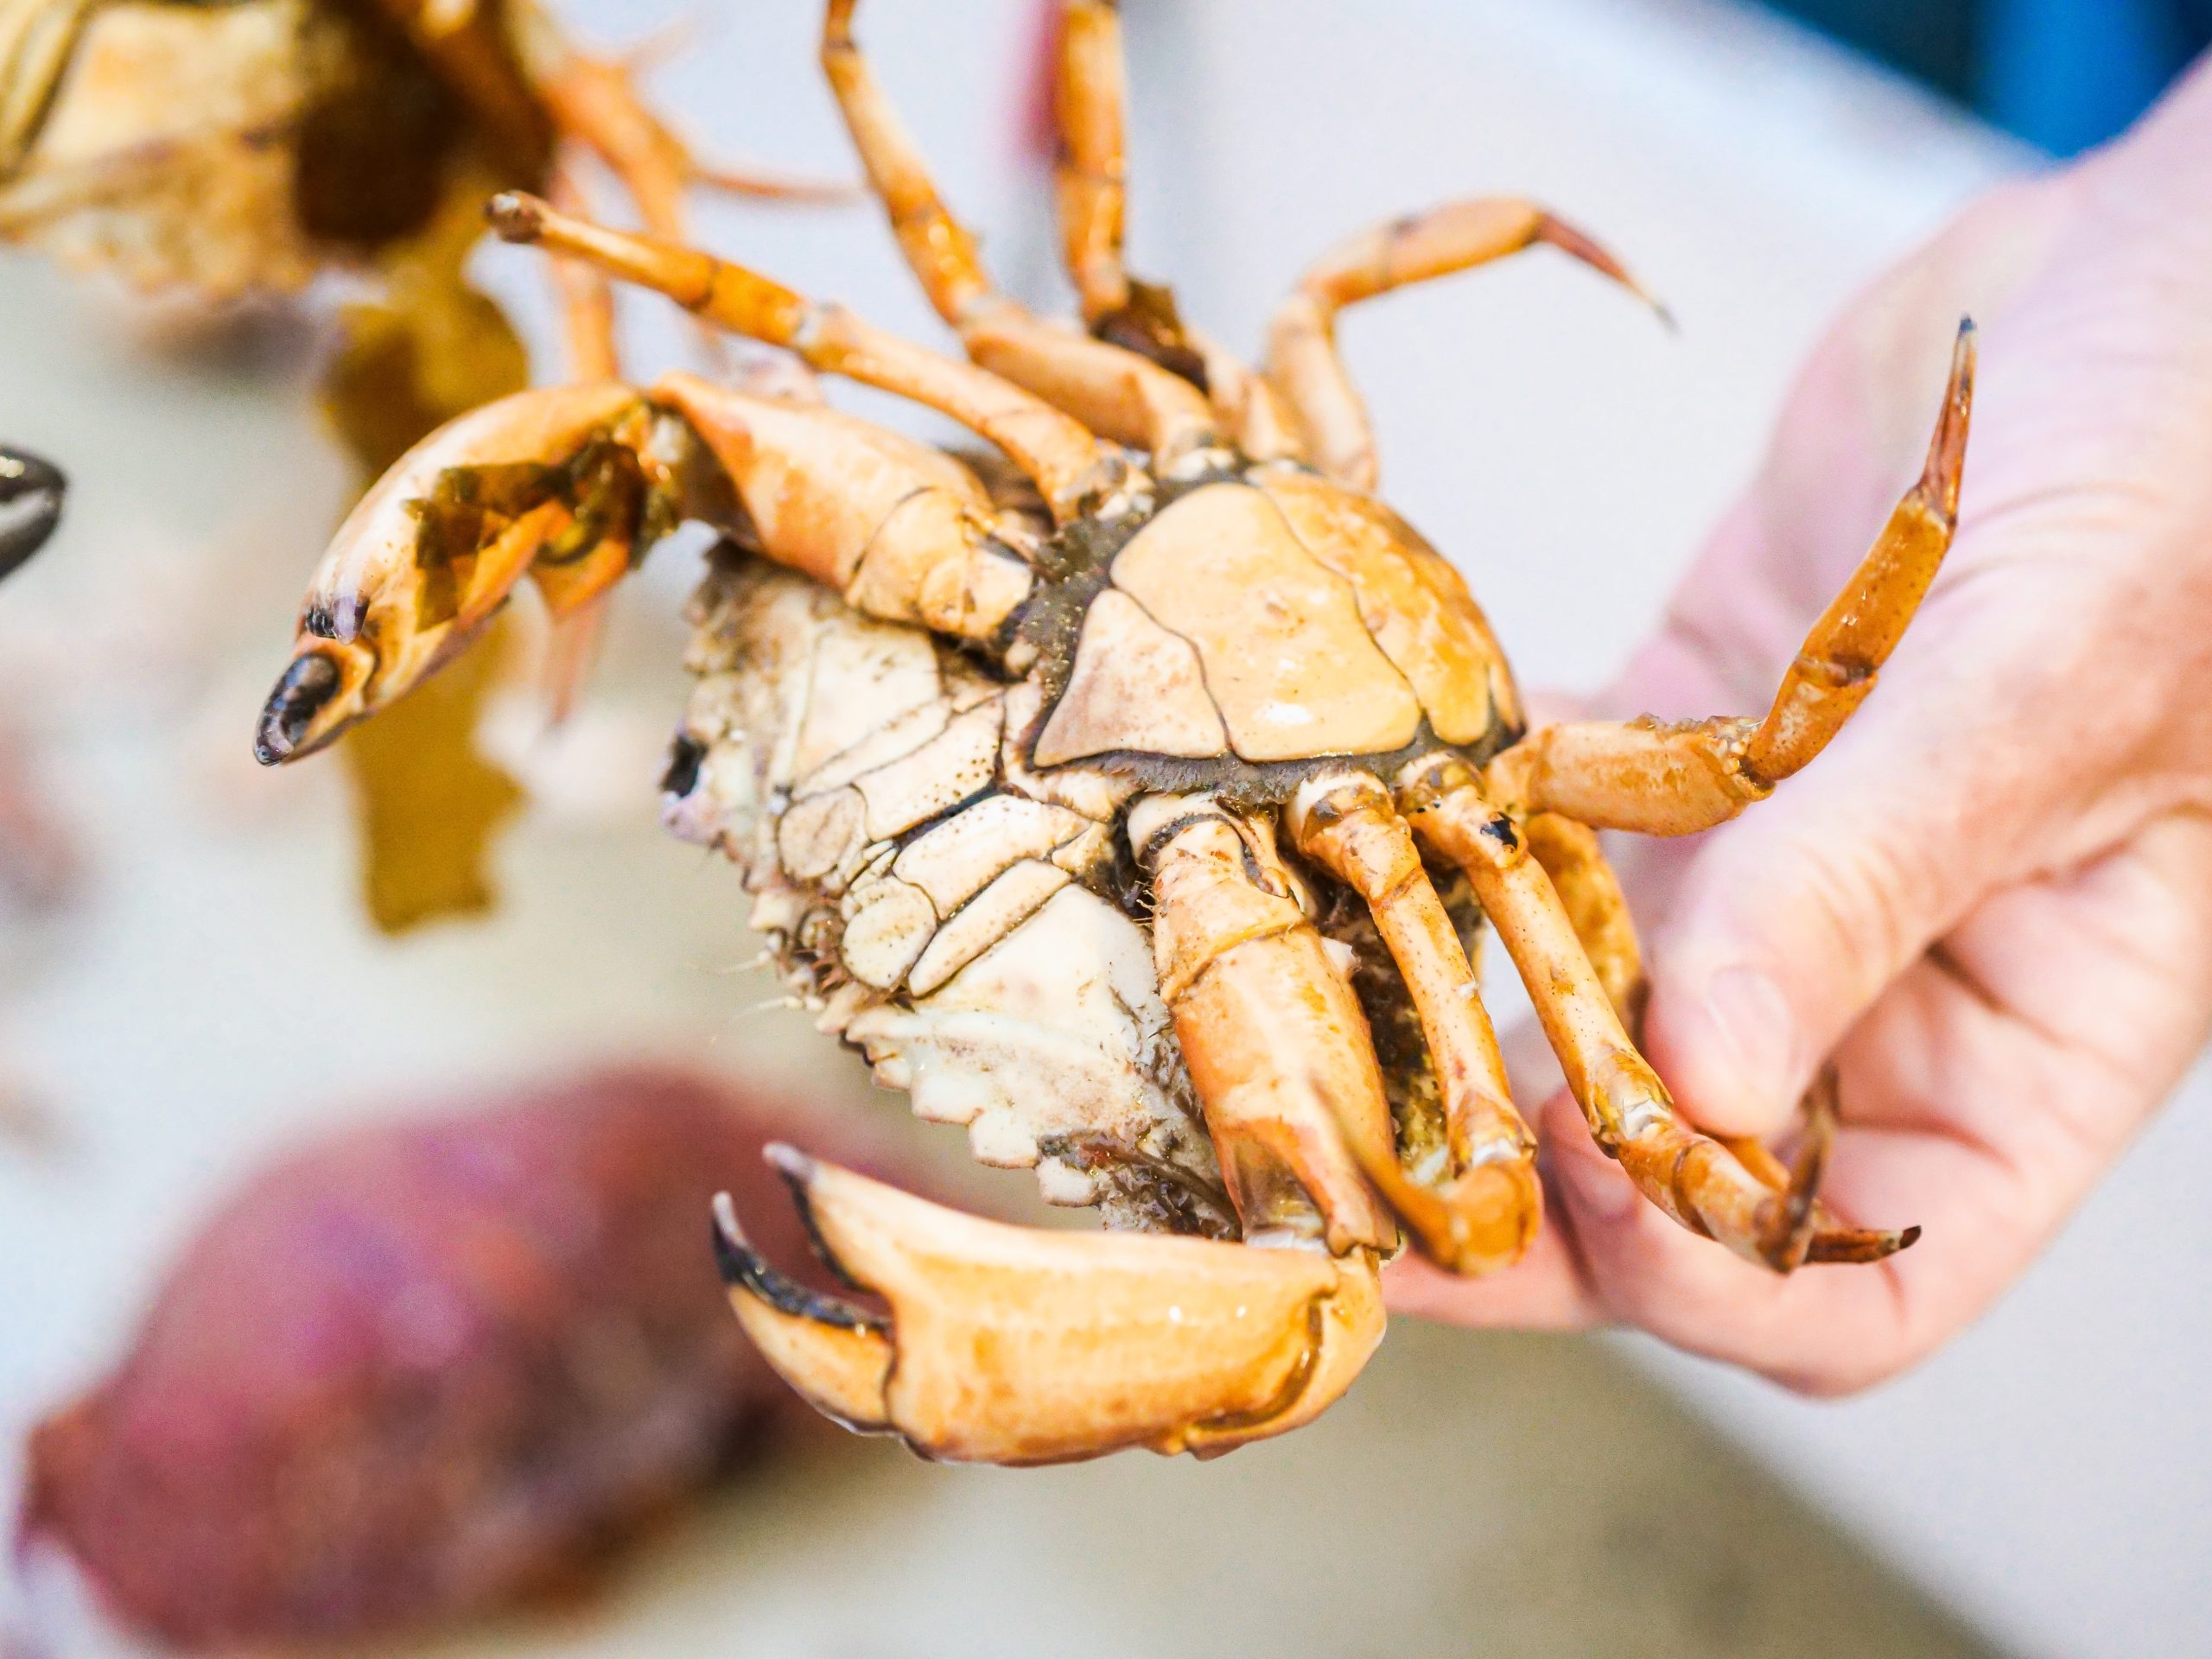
(684, 757)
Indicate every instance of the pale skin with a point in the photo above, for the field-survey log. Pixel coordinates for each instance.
(1990, 901)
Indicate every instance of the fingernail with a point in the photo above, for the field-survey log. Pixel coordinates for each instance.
(1752, 1035)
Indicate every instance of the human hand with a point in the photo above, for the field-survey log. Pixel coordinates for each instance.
(1989, 901)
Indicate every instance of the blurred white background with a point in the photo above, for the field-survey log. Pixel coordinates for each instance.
(2048, 1475)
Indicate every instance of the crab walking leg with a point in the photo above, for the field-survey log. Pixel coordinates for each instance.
(1665, 779)
(1278, 1050)
(1591, 891)
(1089, 176)
(1248, 406)
(596, 102)
(1687, 1174)
(1486, 1203)
(1302, 356)
(938, 248)
(1114, 392)
(1012, 1345)
(1067, 463)
(1824, 1237)
(585, 299)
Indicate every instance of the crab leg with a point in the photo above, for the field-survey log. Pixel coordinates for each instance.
(1068, 465)
(1008, 1345)
(1251, 406)
(596, 102)
(1485, 1205)
(472, 47)
(1689, 1175)
(1114, 392)
(1302, 356)
(1587, 886)
(1278, 1050)
(1676, 779)
(1089, 174)
(585, 300)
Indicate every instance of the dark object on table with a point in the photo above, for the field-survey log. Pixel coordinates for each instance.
(424, 1370)
(30, 505)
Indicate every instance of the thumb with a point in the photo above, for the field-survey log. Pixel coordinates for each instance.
(1789, 922)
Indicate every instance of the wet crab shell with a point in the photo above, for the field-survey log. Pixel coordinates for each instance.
(1267, 616)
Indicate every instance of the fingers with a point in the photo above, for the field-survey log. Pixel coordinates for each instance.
(1983, 1095)
(1789, 922)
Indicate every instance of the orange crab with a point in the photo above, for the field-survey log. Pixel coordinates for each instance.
(1125, 813)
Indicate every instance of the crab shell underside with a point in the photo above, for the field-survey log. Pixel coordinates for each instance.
(936, 854)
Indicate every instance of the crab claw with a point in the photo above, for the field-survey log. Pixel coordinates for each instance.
(1008, 1345)
(30, 505)
(432, 551)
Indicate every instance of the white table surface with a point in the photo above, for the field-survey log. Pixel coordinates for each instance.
(216, 994)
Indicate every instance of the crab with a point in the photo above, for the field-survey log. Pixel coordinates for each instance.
(238, 148)
(1133, 795)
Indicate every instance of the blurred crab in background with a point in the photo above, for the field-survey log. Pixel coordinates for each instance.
(1135, 797)
(208, 154)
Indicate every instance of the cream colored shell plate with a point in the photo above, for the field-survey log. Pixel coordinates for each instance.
(979, 973)
(1277, 621)
(1413, 602)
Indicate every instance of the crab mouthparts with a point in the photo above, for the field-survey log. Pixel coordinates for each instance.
(306, 686)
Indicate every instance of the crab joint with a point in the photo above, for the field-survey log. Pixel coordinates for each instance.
(1007, 1344)
(1477, 1213)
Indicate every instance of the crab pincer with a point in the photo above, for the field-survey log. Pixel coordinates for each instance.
(432, 553)
(1009, 1344)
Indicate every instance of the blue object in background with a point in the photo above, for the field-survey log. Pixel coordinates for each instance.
(2064, 74)
(2069, 73)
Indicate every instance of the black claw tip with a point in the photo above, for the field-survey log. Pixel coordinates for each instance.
(743, 1267)
(310, 681)
(734, 1257)
(30, 505)
(1907, 1239)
